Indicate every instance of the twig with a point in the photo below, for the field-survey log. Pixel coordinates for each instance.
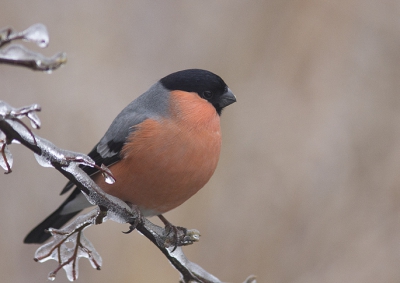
(18, 55)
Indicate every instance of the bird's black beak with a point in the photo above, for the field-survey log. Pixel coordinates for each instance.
(227, 98)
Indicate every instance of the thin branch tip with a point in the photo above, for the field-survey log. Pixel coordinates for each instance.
(18, 55)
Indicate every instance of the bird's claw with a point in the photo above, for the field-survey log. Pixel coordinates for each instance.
(131, 229)
(172, 233)
(136, 220)
(178, 236)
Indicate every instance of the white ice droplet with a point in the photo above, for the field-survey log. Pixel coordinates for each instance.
(37, 33)
(5, 108)
(51, 276)
(8, 158)
(108, 177)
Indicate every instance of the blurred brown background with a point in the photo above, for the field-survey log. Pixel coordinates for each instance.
(308, 185)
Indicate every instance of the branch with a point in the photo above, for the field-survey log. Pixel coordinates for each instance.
(16, 54)
(68, 257)
(66, 162)
(13, 130)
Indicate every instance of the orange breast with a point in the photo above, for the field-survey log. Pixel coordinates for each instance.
(166, 162)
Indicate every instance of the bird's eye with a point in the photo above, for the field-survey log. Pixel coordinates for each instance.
(207, 94)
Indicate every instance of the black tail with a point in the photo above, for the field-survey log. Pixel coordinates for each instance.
(39, 235)
(56, 220)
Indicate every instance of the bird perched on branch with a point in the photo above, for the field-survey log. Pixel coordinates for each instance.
(161, 149)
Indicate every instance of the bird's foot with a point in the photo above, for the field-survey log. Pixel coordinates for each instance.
(178, 236)
(137, 219)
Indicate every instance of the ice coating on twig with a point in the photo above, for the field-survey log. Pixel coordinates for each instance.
(251, 279)
(66, 256)
(6, 159)
(196, 269)
(5, 108)
(14, 115)
(16, 54)
(36, 33)
(30, 112)
(49, 153)
(35, 121)
(117, 210)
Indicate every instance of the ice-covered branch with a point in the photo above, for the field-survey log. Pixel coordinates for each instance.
(16, 54)
(68, 257)
(12, 129)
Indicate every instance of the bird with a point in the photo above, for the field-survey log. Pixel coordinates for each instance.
(161, 148)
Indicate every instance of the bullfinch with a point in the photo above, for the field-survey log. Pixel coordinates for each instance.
(161, 149)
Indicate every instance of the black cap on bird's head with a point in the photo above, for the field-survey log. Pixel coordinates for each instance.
(207, 85)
